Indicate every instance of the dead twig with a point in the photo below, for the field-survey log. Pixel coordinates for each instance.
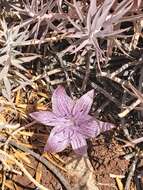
(101, 90)
(87, 72)
(135, 141)
(15, 132)
(126, 85)
(6, 146)
(63, 66)
(37, 156)
(129, 108)
(131, 173)
(23, 169)
(45, 162)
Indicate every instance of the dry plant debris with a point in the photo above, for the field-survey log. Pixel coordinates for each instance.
(79, 46)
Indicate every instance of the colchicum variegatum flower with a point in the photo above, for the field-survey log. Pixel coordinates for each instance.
(72, 122)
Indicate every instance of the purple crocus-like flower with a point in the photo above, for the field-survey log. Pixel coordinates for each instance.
(73, 124)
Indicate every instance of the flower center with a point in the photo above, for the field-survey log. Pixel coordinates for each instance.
(70, 121)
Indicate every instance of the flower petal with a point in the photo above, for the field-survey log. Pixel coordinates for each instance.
(62, 104)
(94, 127)
(89, 130)
(48, 118)
(104, 126)
(58, 140)
(83, 105)
(79, 144)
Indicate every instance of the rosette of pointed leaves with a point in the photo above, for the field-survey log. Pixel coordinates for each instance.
(11, 38)
(12, 57)
(99, 23)
(40, 14)
(73, 124)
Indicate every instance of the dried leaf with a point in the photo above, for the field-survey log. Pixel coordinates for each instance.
(82, 170)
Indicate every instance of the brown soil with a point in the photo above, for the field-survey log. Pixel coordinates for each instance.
(106, 158)
(47, 179)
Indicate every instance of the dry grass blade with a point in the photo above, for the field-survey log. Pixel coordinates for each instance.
(23, 169)
(58, 165)
(119, 183)
(45, 162)
(22, 156)
(39, 172)
(81, 45)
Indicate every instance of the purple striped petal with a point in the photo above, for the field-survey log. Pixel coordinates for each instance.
(58, 140)
(94, 127)
(79, 144)
(89, 130)
(83, 105)
(62, 104)
(48, 118)
(83, 119)
(104, 126)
